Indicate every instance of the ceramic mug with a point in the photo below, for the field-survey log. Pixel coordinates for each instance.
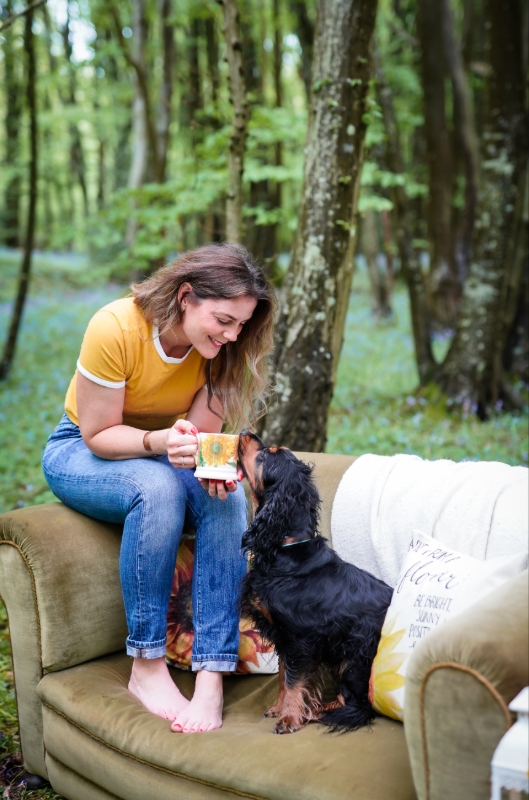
(216, 457)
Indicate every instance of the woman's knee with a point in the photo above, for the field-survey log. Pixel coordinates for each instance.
(158, 485)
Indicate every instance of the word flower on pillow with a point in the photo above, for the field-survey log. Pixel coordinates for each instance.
(435, 584)
(255, 655)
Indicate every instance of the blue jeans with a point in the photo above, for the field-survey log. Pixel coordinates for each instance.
(154, 500)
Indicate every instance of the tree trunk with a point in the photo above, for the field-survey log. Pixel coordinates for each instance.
(410, 264)
(13, 112)
(261, 240)
(315, 297)
(305, 34)
(239, 124)
(121, 154)
(145, 131)
(192, 100)
(163, 121)
(465, 131)
(212, 53)
(380, 301)
(77, 159)
(472, 373)
(516, 354)
(278, 155)
(444, 289)
(101, 174)
(25, 269)
(389, 253)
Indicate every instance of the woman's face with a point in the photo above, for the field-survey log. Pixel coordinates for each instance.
(210, 324)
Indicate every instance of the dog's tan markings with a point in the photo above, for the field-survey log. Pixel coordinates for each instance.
(295, 705)
(272, 449)
(277, 709)
(295, 712)
(248, 450)
(257, 605)
(323, 708)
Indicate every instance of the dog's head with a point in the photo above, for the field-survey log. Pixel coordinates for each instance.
(286, 501)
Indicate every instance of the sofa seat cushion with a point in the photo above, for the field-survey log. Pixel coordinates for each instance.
(96, 729)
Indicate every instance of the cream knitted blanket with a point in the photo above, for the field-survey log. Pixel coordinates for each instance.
(478, 508)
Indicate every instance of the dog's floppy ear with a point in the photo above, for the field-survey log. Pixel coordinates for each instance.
(267, 530)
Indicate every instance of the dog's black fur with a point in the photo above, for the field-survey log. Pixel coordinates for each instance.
(316, 609)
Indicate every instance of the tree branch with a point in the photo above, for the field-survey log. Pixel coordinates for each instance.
(144, 89)
(11, 19)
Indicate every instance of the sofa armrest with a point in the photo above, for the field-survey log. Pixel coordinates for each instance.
(459, 683)
(59, 580)
(73, 564)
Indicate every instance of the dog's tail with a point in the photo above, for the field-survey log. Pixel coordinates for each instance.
(348, 717)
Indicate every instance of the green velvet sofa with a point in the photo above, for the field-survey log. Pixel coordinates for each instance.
(82, 730)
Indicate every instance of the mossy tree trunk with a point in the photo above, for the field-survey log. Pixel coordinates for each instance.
(472, 373)
(315, 296)
(241, 113)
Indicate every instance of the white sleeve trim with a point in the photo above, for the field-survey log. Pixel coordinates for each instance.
(100, 381)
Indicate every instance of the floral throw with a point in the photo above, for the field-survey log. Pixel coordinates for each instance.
(255, 655)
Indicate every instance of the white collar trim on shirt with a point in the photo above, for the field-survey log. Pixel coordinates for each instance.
(160, 350)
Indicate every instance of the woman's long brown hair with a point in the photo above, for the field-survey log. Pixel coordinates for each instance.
(238, 376)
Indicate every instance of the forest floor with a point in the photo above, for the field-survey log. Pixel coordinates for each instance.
(376, 409)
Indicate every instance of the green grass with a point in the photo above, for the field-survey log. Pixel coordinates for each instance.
(375, 408)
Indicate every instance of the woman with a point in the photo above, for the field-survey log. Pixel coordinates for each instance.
(185, 353)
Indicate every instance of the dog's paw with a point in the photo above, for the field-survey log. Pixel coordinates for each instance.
(273, 711)
(287, 725)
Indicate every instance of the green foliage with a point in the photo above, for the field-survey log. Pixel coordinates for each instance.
(162, 212)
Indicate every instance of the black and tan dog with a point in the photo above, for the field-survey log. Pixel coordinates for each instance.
(317, 610)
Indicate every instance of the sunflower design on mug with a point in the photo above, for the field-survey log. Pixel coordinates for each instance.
(217, 456)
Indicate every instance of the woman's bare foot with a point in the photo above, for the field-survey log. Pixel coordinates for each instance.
(204, 712)
(151, 683)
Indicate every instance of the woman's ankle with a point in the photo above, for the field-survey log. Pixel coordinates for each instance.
(149, 666)
(207, 681)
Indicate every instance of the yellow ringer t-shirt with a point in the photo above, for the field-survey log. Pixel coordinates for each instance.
(121, 349)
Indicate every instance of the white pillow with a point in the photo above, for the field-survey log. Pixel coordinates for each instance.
(435, 584)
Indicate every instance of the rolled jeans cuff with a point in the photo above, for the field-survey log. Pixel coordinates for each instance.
(220, 663)
(146, 649)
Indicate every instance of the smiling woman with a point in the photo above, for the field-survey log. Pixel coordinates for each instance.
(184, 354)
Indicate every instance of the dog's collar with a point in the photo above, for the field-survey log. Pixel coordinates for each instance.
(287, 543)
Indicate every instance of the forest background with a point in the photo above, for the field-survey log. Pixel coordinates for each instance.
(373, 159)
(121, 125)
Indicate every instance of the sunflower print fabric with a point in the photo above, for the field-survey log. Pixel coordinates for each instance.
(255, 655)
(386, 687)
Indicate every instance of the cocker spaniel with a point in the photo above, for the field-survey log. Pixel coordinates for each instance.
(317, 610)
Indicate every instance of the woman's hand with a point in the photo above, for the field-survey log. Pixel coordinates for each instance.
(219, 489)
(182, 444)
